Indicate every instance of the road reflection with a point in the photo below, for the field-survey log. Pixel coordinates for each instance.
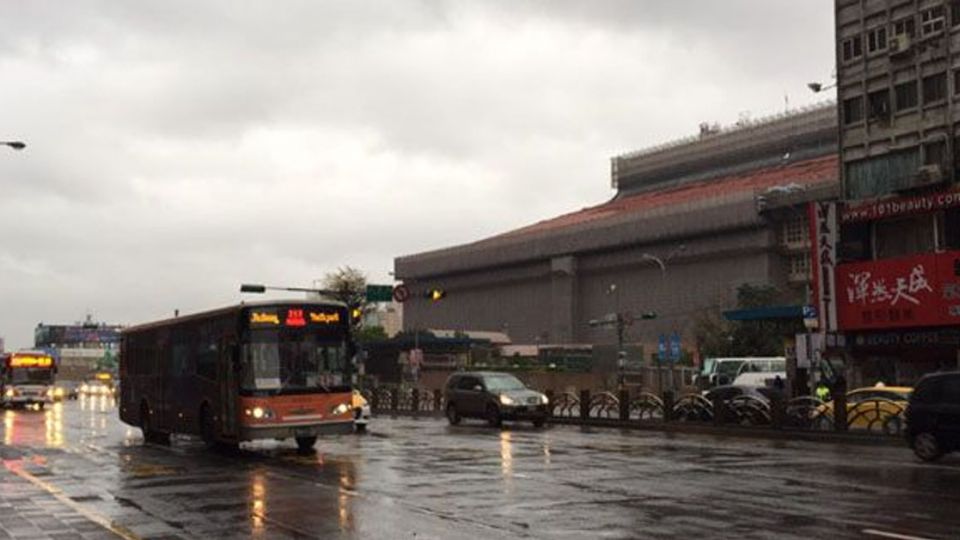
(53, 425)
(258, 504)
(344, 496)
(506, 460)
(24, 426)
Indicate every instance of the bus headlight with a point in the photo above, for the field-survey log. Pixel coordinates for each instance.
(9, 392)
(342, 408)
(259, 413)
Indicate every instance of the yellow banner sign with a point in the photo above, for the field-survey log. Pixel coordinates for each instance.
(325, 318)
(31, 361)
(264, 318)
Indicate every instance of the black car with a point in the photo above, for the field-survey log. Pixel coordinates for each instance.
(933, 416)
(494, 397)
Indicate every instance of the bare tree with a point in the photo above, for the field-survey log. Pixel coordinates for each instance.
(348, 285)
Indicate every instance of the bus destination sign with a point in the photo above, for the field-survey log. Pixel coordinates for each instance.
(294, 317)
(31, 361)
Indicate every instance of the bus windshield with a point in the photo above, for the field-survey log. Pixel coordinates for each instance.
(292, 361)
(31, 375)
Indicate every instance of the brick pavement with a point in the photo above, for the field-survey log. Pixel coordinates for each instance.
(27, 511)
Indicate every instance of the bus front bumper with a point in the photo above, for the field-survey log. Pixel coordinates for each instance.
(280, 431)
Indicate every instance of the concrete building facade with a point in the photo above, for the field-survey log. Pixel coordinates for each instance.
(897, 271)
(690, 222)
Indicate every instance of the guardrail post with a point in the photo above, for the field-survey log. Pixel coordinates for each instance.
(584, 404)
(550, 395)
(719, 412)
(668, 403)
(415, 400)
(840, 411)
(778, 412)
(624, 397)
(394, 399)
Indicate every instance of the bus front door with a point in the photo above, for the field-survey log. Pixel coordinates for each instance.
(228, 377)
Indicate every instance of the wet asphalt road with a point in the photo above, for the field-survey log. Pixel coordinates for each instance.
(419, 478)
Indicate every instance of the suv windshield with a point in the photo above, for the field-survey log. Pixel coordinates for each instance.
(503, 383)
(292, 361)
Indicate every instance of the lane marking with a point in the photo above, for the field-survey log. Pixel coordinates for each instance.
(885, 534)
(58, 494)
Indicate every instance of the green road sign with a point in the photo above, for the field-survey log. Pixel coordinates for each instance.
(379, 293)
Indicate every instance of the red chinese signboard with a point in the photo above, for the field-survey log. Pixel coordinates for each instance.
(920, 290)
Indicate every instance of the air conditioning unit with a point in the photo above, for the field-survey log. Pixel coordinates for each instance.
(899, 44)
(930, 174)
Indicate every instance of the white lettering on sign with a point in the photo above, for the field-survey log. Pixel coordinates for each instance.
(866, 290)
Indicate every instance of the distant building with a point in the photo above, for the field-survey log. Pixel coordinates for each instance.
(80, 348)
(691, 221)
(387, 316)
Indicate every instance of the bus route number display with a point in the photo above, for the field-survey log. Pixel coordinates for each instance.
(294, 317)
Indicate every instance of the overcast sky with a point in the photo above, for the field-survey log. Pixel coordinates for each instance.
(179, 148)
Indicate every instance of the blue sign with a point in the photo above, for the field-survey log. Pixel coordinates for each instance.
(662, 346)
(809, 312)
(675, 347)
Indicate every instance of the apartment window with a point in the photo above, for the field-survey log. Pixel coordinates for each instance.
(853, 110)
(950, 235)
(855, 242)
(800, 265)
(932, 21)
(905, 27)
(879, 102)
(955, 13)
(795, 231)
(934, 153)
(852, 48)
(906, 95)
(956, 82)
(935, 88)
(877, 39)
(905, 236)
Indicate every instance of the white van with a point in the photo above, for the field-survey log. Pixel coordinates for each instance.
(723, 371)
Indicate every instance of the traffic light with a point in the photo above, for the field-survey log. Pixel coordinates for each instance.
(648, 315)
(435, 295)
(356, 314)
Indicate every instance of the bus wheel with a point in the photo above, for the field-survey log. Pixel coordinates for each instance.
(305, 444)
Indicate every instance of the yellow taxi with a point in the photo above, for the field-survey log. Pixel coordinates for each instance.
(361, 412)
(872, 408)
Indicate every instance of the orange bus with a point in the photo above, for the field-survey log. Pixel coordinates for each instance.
(265, 370)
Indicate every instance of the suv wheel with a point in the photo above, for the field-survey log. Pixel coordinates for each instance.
(493, 415)
(927, 447)
(452, 415)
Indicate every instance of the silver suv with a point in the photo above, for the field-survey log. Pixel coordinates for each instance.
(494, 397)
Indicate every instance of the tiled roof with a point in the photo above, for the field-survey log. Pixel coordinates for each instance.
(804, 173)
